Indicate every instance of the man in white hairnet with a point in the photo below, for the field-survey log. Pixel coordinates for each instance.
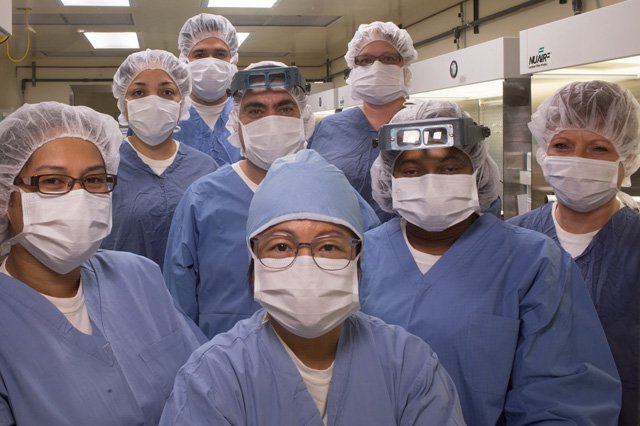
(504, 308)
(209, 45)
(588, 136)
(379, 56)
(206, 260)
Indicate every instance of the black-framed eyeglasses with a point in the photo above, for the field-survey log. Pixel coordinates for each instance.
(331, 252)
(385, 58)
(54, 184)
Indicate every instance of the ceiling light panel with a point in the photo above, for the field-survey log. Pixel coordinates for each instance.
(113, 40)
(242, 37)
(106, 3)
(242, 3)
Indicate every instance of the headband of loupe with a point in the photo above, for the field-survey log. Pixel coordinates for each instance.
(430, 133)
(268, 78)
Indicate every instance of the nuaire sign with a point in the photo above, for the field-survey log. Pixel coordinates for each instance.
(540, 59)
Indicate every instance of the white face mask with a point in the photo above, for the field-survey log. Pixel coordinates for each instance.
(582, 184)
(378, 83)
(305, 299)
(435, 202)
(62, 231)
(211, 77)
(153, 118)
(272, 137)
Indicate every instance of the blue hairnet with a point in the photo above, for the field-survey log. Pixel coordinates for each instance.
(304, 186)
(151, 60)
(203, 26)
(33, 125)
(487, 176)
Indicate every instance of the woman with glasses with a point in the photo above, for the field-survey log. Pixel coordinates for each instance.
(152, 88)
(309, 357)
(378, 56)
(87, 337)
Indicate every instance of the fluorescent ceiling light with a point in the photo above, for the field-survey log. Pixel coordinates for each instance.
(623, 67)
(242, 37)
(487, 89)
(119, 3)
(242, 3)
(127, 40)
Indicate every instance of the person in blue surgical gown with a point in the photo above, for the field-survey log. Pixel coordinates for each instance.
(309, 357)
(87, 338)
(206, 261)
(378, 56)
(209, 45)
(589, 145)
(504, 308)
(152, 88)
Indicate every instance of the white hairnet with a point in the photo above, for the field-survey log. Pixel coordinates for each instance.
(300, 96)
(151, 60)
(385, 31)
(203, 26)
(33, 125)
(488, 174)
(600, 107)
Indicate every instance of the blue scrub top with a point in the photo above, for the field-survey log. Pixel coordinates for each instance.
(207, 259)
(213, 142)
(382, 375)
(143, 202)
(509, 317)
(610, 266)
(345, 140)
(121, 374)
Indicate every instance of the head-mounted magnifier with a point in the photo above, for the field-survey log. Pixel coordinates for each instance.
(268, 78)
(430, 133)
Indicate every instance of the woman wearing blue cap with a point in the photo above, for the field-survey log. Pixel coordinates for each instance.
(309, 357)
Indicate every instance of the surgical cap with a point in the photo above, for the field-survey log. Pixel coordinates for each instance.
(203, 26)
(600, 107)
(300, 96)
(151, 60)
(304, 186)
(33, 125)
(385, 31)
(487, 176)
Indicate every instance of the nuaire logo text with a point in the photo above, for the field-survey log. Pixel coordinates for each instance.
(539, 60)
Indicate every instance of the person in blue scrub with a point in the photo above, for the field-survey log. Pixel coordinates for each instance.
(378, 56)
(309, 357)
(589, 146)
(505, 309)
(206, 261)
(152, 88)
(209, 46)
(88, 338)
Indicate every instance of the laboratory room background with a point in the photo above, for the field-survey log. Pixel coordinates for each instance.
(550, 88)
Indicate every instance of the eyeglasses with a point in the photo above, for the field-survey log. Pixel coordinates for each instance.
(101, 183)
(385, 58)
(331, 253)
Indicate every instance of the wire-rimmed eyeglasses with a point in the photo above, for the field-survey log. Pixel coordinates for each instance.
(331, 252)
(54, 184)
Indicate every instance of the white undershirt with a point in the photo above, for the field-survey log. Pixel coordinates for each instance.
(157, 166)
(73, 308)
(425, 261)
(574, 244)
(317, 381)
(251, 184)
(209, 113)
